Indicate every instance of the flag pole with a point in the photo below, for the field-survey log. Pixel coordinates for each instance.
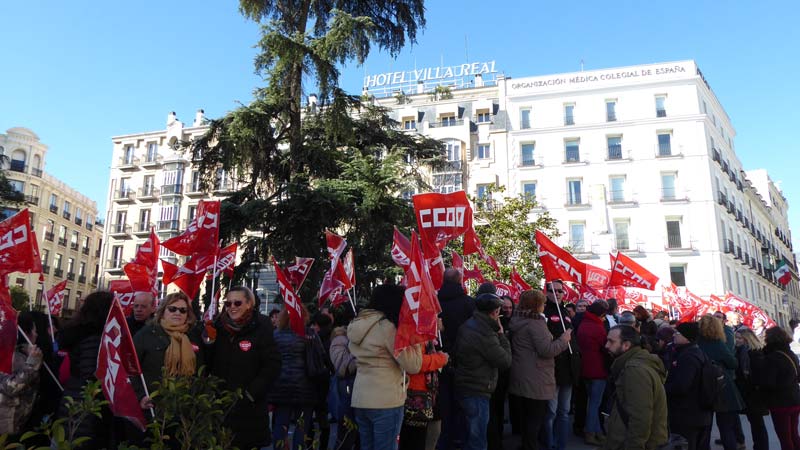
(213, 281)
(147, 394)
(47, 307)
(560, 316)
(352, 303)
(44, 363)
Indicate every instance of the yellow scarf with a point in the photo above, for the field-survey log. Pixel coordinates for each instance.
(179, 357)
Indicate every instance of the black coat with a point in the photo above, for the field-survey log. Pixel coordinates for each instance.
(750, 360)
(480, 352)
(564, 364)
(683, 389)
(151, 344)
(134, 325)
(778, 377)
(293, 387)
(457, 308)
(248, 360)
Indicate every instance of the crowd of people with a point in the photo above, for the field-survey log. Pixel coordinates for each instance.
(629, 380)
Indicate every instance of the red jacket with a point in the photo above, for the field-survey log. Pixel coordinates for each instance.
(592, 342)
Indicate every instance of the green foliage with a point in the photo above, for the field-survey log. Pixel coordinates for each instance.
(441, 93)
(506, 229)
(20, 299)
(8, 196)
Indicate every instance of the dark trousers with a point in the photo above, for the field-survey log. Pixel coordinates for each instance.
(580, 398)
(497, 413)
(785, 421)
(515, 413)
(726, 423)
(454, 424)
(697, 438)
(533, 413)
(413, 437)
(757, 429)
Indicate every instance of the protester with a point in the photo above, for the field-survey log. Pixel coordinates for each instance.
(344, 365)
(497, 404)
(750, 359)
(293, 394)
(533, 364)
(639, 407)
(666, 346)
(273, 318)
(712, 342)
(612, 315)
(378, 391)
(567, 370)
(322, 323)
(423, 388)
(571, 311)
(81, 339)
(170, 343)
(759, 328)
(144, 305)
(629, 319)
(457, 308)
(46, 403)
(580, 310)
(647, 328)
(242, 351)
(778, 380)
(592, 341)
(19, 389)
(733, 319)
(687, 416)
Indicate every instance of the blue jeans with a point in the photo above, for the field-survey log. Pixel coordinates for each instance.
(379, 428)
(595, 389)
(556, 422)
(476, 410)
(280, 432)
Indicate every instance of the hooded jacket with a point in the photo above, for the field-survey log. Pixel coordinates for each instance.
(592, 341)
(479, 352)
(344, 363)
(638, 418)
(532, 357)
(457, 308)
(293, 387)
(379, 378)
(683, 389)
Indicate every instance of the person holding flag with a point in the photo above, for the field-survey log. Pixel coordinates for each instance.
(18, 389)
(241, 350)
(379, 389)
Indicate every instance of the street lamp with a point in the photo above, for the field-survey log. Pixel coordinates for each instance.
(252, 274)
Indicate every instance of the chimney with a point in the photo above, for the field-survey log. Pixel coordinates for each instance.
(171, 118)
(478, 80)
(312, 103)
(420, 87)
(199, 117)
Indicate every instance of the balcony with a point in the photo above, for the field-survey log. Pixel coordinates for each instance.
(114, 265)
(54, 209)
(73, 246)
(66, 214)
(729, 248)
(78, 221)
(142, 228)
(172, 189)
(148, 193)
(94, 281)
(45, 268)
(128, 163)
(18, 166)
(611, 116)
(664, 150)
(97, 253)
(671, 195)
(716, 156)
(446, 123)
(120, 230)
(58, 272)
(572, 155)
(528, 162)
(193, 189)
(575, 201)
(89, 225)
(738, 252)
(731, 208)
(124, 195)
(152, 161)
(71, 276)
(85, 251)
(745, 258)
(620, 198)
(168, 225)
(722, 199)
(32, 200)
(62, 242)
(49, 236)
(614, 152)
(569, 119)
(661, 113)
(82, 279)
(675, 244)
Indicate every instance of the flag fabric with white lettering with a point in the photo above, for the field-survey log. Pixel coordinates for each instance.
(291, 301)
(418, 321)
(440, 219)
(123, 292)
(16, 247)
(55, 298)
(558, 263)
(627, 272)
(298, 271)
(116, 361)
(8, 328)
(226, 260)
(201, 237)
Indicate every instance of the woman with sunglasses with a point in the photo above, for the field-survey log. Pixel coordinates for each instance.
(241, 350)
(169, 344)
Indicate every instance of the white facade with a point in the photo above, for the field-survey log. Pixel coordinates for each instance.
(636, 159)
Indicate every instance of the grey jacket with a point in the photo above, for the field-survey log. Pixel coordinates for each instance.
(533, 352)
(480, 350)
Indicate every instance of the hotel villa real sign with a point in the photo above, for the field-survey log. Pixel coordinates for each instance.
(428, 74)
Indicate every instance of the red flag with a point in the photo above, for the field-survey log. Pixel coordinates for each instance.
(339, 299)
(519, 284)
(143, 270)
(689, 314)
(226, 260)
(590, 294)
(748, 310)
(36, 266)
(291, 300)
(170, 270)
(458, 264)
(298, 271)
(191, 275)
(16, 248)
(116, 361)
(401, 249)
(419, 312)
(504, 289)
(473, 244)
(436, 269)
(617, 293)
(8, 330)
(55, 298)
(440, 219)
(570, 294)
(474, 274)
(596, 277)
(202, 235)
(627, 272)
(349, 264)
(557, 262)
(336, 244)
(123, 292)
(330, 288)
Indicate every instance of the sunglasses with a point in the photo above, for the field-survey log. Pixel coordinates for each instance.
(173, 309)
(559, 291)
(236, 303)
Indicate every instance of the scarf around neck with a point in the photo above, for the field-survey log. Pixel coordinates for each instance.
(179, 357)
(234, 327)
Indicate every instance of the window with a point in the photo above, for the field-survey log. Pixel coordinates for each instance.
(82, 269)
(705, 107)
(527, 154)
(57, 260)
(611, 110)
(674, 233)
(484, 151)
(617, 188)
(78, 215)
(621, 238)
(116, 256)
(67, 207)
(664, 144)
(152, 152)
(524, 118)
(529, 189)
(62, 232)
(195, 181)
(129, 152)
(53, 201)
(409, 123)
(677, 274)
(144, 220)
(569, 117)
(448, 120)
(572, 150)
(483, 116)
(574, 192)
(45, 256)
(576, 233)
(73, 240)
(483, 195)
(86, 242)
(191, 213)
(149, 184)
(668, 186)
(453, 148)
(124, 186)
(17, 186)
(614, 147)
(70, 265)
(661, 109)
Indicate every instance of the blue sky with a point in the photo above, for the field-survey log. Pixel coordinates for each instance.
(80, 72)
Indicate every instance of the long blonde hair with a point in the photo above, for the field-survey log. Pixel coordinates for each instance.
(711, 328)
(750, 338)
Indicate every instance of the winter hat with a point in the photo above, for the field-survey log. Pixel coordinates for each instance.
(627, 318)
(665, 334)
(689, 330)
(488, 302)
(487, 287)
(598, 308)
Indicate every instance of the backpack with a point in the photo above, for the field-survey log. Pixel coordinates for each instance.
(712, 383)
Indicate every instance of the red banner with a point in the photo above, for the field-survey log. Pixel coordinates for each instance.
(16, 246)
(748, 310)
(55, 298)
(298, 271)
(419, 312)
(291, 300)
(401, 249)
(346, 271)
(440, 219)
(596, 277)
(123, 292)
(36, 264)
(570, 294)
(143, 270)
(226, 260)
(627, 272)
(504, 289)
(557, 262)
(458, 264)
(201, 237)
(8, 330)
(170, 270)
(116, 361)
(190, 276)
(474, 274)
(330, 289)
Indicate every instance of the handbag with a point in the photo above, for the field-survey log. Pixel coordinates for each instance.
(418, 408)
(317, 364)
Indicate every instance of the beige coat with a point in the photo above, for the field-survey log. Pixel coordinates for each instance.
(379, 380)
(532, 357)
